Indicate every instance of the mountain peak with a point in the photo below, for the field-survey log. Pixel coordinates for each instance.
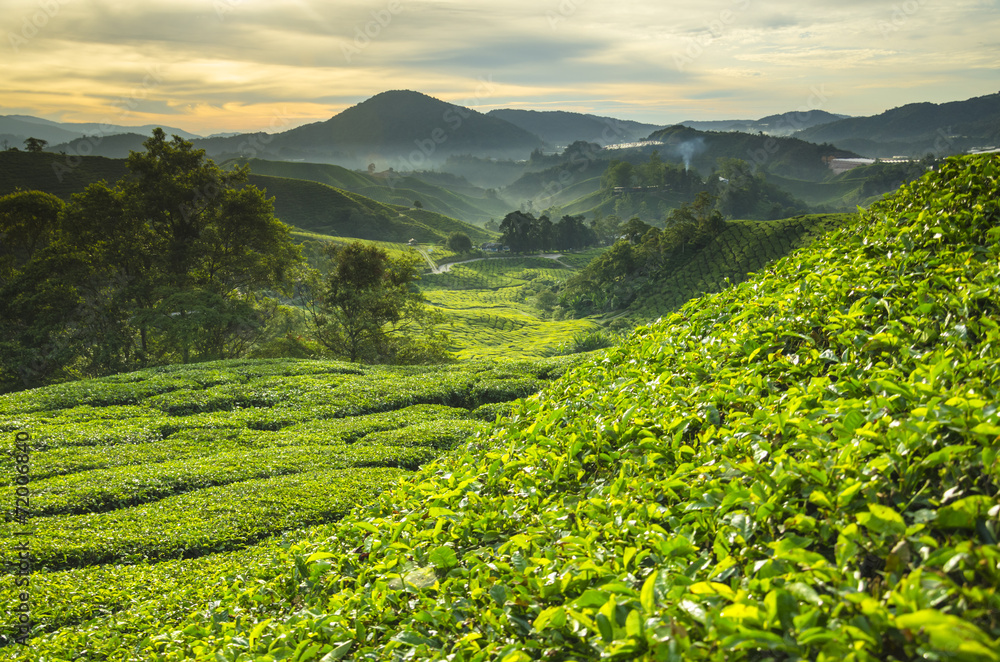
(408, 130)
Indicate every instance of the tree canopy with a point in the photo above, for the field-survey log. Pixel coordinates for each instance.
(367, 308)
(522, 232)
(459, 242)
(174, 262)
(35, 144)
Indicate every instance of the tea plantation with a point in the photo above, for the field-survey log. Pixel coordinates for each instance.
(145, 481)
(801, 467)
(489, 311)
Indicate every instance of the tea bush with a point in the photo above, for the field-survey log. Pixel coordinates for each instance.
(801, 467)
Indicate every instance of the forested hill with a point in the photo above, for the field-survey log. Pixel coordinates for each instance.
(327, 210)
(801, 467)
(304, 204)
(917, 129)
(457, 199)
(782, 156)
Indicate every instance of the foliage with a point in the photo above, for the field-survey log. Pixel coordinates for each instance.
(172, 263)
(186, 465)
(29, 221)
(589, 341)
(35, 145)
(523, 233)
(801, 467)
(653, 271)
(367, 305)
(743, 193)
(459, 242)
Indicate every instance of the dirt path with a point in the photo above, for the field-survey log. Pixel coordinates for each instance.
(445, 268)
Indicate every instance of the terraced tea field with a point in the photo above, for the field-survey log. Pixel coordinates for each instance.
(142, 483)
(489, 314)
(744, 248)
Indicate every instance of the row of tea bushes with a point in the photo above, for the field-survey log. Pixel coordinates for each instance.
(804, 466)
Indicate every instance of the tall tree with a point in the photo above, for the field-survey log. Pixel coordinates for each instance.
(35, 144)
(367, 303)
(515, 230)
(176, 261)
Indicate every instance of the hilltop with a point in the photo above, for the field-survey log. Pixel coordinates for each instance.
(917, 129)
(792, 157)
(405, 130)
(783, 124)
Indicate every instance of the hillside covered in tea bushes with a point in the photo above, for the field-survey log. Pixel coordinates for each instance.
(801, 467)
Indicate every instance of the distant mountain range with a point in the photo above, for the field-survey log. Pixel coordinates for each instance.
(407, 131)
(784, 124)
(917, 129)
(560, 128)
(15, 129)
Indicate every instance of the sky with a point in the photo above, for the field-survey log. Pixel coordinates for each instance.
(211, 66)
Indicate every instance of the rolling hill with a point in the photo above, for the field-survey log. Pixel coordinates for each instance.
(452, 197)
(784, 124)
(304, 204)
(560, 128)
(917, 129)
(53, 173)
(404, 130)
(790, 157)
(16, 128)
(803, 466)
(327, 210)
(743, 248)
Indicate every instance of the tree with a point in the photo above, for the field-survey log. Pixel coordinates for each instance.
(515, 229)
(28, 223)
(184, 230)
(35, 144)
(177, 261)
(459, 242)
(366, 304)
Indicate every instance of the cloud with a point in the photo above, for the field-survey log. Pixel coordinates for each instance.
(228, 64)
